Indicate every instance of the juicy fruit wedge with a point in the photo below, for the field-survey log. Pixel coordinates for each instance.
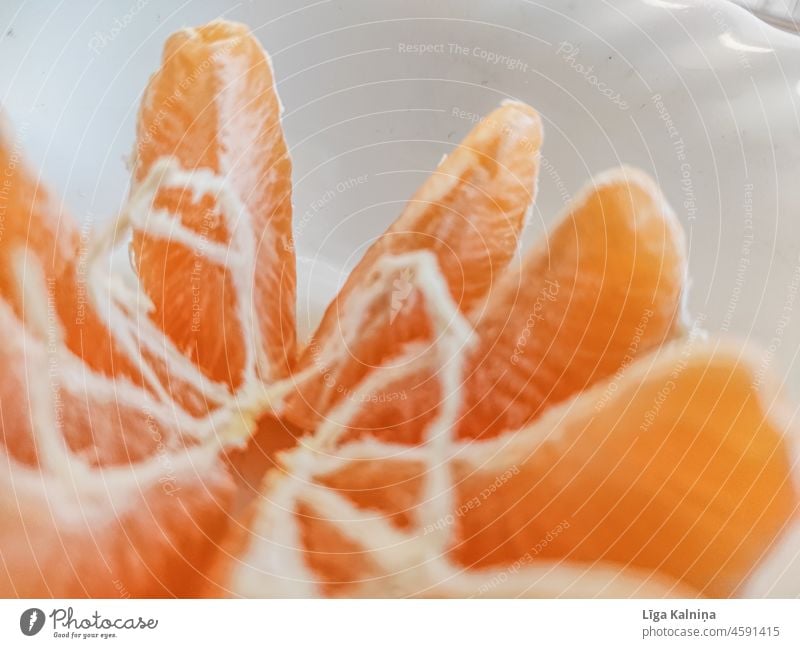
(603, 288)
(49, 235)
(34, 222)
(468, 215)
(215, 253)
(683, 474)
(112, 484)
(102, 493)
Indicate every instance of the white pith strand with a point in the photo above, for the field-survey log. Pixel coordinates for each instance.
(252, 396)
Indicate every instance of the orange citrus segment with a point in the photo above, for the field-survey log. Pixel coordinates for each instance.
(604, 287)
(683, 472)
(102, 492)
(34, 223)
(468, 215)
(686, 471)
(113, 465)
(220, 266)
(48, 233)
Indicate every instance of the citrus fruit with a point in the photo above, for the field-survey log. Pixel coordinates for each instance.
(605, 286)
(215, 253)
(32, 219)
(468, 214)
(467, 426)
(104, 490)
(679, 480)
(115, 476)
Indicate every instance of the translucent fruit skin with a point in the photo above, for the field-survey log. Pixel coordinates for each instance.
(468, 214)
(212, 105)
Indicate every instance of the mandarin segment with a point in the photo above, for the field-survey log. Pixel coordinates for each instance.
(96, 539)
(99, 489)
(685, 470)
(603, 288)
(212, 107)
(468, 214)
(36, 226)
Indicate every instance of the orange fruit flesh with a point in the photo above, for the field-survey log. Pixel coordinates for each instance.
(46, 233)
(147, 502)
(606, 286)
(675, 468)
(212, 106)
(34, 223)
(681, 473)
(468, 215)
(118, 504)
(696, 489)
(603, 288)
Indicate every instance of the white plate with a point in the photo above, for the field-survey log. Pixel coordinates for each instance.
(700, 94)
